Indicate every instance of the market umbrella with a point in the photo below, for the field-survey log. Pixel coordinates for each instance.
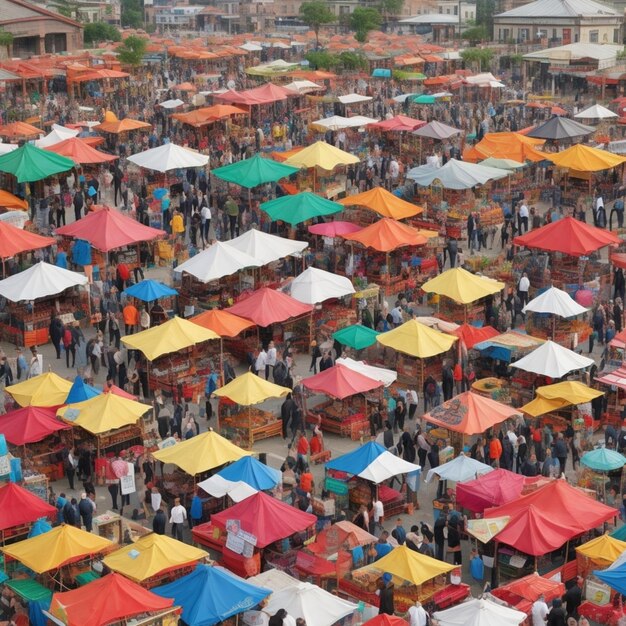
(40, 527)
(300, 207)
(56, 135)
(30, 164)
(455, 175)
(459, 470)
(555, 301)
(249, 389)
(490, 489)
(385, 376)
(9, 201)
(45, 390)
(29, 425)
(334, 229)
(386, 235)
(15, 240)
(558, 395)
(20, 506)
(172, 336)
(266, 248)
(462, 286)
(385, 620)
(267, 306)
(39, 281)
(149, 290)
(340, 382)
(20, 130)
(168, 157)
(603, 460)
(112, 124)
(596, 112)
(416, 339)
(223, 323)
(437, 130)
(552, 360)
(398, 123)
(322, 155)
(475, 612)
(172, 103)
(254, 171)
(560, 128)
(384, 203)
(315, 286)
(356, 336)
(80, 152)
(252, 472)
(603, 550)
(507, 145)
(581, 158)
(81, 391)
(424, 99)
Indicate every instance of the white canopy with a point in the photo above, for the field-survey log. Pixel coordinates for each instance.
(402, 97)
(317, 606)
(314, 286)
(385, 376)
(555, 301)
(484, 78)
(16, 218)
(459, 470)
(476, 612)
(385, 466)
(251, 47)
(455, 174)
(171, 104)
(217, 261)
(5, 148)
(553, 360)
(39, 281)
(337, 122)
(56, 135)
(219, 487)
(596, 112)
(167, 157)
(353, 98)
(266, 248)
(302, 86)
(273, 579)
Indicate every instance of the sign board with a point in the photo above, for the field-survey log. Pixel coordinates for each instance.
(127, 483)
(235, 543)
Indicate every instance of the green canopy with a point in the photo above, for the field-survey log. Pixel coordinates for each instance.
(356, 336)
(30, 163)
(619, 533)
(300, 207)
(254, 171)
(404, 75)
(425, 99)
(603, 460)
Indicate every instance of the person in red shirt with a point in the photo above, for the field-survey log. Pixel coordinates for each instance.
(122, 275)
(306, 481)
(303, 450)
(495, 451)
(315, 445)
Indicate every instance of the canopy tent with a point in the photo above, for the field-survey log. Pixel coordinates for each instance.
(334, 229)
(384, 203)
(507, 145)
(30, 164)
(322, 155)
(171, 336)
(385, 376)
(583, 158)
(266, 248)
(475, 612)
(620, 533)
(39, 281)
(210, 595)
(300, 207)
(29, 425)
(81, 152)
(252, 472)
(218, 260)
(267, 306)
(265, 517)
(254, 171)
(39, 527)
(462, 286)
(9, 201)
(553, 360)
(304, 86)
(60, 546)
(267, 93)
(19, 506)
(398, 124)
(615, 578)
(502, 164)
(382, 619)
(207, 115)
(81, 391)
(223, 323)
(201, 453)
(488, 490)
(45, 390)
(437, 130)
(171, 103)
(340, 382)
(416, 340)
(386, 235)
(151, 555)
(603, 550)
(559, 128)
(315, 286)
(111, 124)
(559, 395)
(338, 122)
(16, 240)
(248, 389)
(149, 290)
(219, 487)
(107, 600)
(168, 157)
(600, 460)
(556, 302)
(343, 533)
(103, 413)
(596, 112)
(459, 469)
(455, 175)
(471, 335)
(20, 130)
(356, 336)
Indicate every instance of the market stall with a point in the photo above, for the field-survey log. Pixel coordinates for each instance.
(489, 489)
(599, 467)
(14, 241)
(20, 508)
(382, 202)
(604, 588)
(45, 390)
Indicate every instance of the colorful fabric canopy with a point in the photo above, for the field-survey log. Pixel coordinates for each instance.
(386, 235)
(560, 128)
(356, 336)
(150, 290)
(336, 229)
(322, 155)
(19, 506)
(223, 323)
(459, 469)
(39, 281)
(16, 240)
(80, 152)
(29, 425)
(252, 472)
(9, 201)
(108, 229)
(455, 175)
(462, 286)
(568, 236)
(266, 248)
(45, 390)
(115, 126)
(398, 123)
(600, 460)
(81, 391)
(300, 207)
(602, 550)
(109, 599)
(509, 145)
(489, 490)
(254, 171)
(168, 157)
(249, 389)
(559, 395)
(471, 335)
(207, 115)
(585, 159)
(596, 112)
(267, 306)
(386, 620)
(416, 340)
(481, 612)
(385, 376)
(315, 286)
(338, 122)
(553, 360)
(20, 130)
(615, 578)
(437, 130)
(30, 164)
(340, 382)
(384, 203)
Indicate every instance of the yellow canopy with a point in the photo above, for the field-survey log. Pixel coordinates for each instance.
(384, 203)
(602, 550)
(250, 389)
(321, 154)
(47, 389)
(462, 286)
(103, 413)
(486, 529)
(585, 159)
(553, 397)
(411, 566)
(57, 547)
(201, 453)
(540, 406)
(150, 555)
(416, 340)
(174, 335)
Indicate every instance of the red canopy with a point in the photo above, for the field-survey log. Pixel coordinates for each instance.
(80, 152)
(385, 620)
(14, 240)
(340, 382)
(542, 521)
(569, 236)
(491, 489)
(19, 506)
(30, 424)
(105, 601)
(471, 335)
(108, 229)
(117, 391)
(265, 517)
(398, 123)
(265, 94)
(267, 306)
(618, 260)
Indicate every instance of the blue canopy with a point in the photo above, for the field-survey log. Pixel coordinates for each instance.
(381, 72)
(615, 578)
(149, 290)
(603, 460)
(40, 527)
(209, 595)
(81, 391)
(494, 351)
(619, 533)
(358, 460)
(252, 472)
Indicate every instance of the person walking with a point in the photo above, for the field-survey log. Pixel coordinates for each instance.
(56, 331)
(86, 510)
(159, 522)
(178, 516)
(70, 346)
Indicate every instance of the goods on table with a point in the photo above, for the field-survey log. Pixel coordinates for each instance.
(249, 424)
(339, 417)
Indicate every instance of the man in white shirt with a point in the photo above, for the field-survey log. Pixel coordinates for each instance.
(261, 362)
(540, 611)
(522, 288)
(270, 360)
(205, 215)
(178, 516)
(417, 615)
(394, 172)
(411, 402)
(34, 368)
(523, 218)
(378, 516)
(396, 315)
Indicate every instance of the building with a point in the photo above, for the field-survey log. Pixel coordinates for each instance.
(560, 22)
(452, 7)
(37, 30)
(177, 17)
(441, 26)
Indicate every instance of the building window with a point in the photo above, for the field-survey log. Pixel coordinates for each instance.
(594, 36)
(554, 33)
(466, 14)
(616, 35)
(456, 10)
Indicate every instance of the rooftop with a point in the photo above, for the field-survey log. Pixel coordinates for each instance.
(561, 8)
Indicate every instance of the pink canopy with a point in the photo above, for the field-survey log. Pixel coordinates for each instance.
(265, 94)
(340, 382)
(334, 229)
(30, 424)
(491, 489)
(399, 123)
(267, 306)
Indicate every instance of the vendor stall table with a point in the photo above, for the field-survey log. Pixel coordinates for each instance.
(249, 424)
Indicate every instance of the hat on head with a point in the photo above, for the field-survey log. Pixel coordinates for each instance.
(387, 577)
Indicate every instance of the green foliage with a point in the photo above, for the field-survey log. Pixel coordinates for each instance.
(352, 61)
(67, 8)
(391, 7)
(132, 50)
(315, 14)
(321, 60)
(101, 31)
(479, 57)
(485, 10)
(132, 13)
(476, 34)
(362, 21)
(6, 38)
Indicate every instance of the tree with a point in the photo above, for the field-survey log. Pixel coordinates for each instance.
(321, 60)
(352, 61)
(485, 10)
(390, 7)
(476, 34)
(478, 57)
(67, 8)
(316, 14)
(132, 13)
(96, 32)
(6, 41)
(363, 21)
(132, 50)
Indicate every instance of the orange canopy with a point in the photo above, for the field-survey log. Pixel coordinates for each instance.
(384, 203)
(206, 115)
(399, 123)
(80, 152)
(19, 130)
(185, 87)
(223, 323)
(386, 235)
(15, 240)
(509, 146)
(9, 201)
(112, 124)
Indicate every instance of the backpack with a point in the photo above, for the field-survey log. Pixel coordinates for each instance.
(67, 338)
(280, 372)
